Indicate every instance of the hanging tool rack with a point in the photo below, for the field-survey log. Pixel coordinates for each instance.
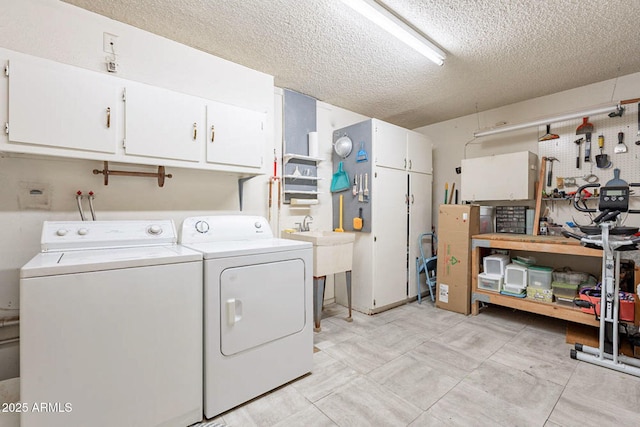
(160, 175)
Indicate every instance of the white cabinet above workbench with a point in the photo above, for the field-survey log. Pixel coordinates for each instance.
(56, 109)
(501, 177)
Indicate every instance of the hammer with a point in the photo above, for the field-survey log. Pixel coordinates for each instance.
(550, 160)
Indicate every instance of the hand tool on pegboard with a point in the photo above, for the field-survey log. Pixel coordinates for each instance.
(586, 129)
(550, 173)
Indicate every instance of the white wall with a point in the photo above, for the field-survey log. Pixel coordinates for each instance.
(453, 139)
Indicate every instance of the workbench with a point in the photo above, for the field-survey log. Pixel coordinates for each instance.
(525, 242)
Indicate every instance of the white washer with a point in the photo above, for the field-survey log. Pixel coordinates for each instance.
(111, 327)
(257, 308)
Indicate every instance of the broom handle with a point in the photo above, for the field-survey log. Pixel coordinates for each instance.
(341, 212)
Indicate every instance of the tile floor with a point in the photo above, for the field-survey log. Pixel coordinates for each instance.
(416, 365)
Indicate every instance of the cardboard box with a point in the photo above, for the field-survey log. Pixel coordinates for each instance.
(456, 225)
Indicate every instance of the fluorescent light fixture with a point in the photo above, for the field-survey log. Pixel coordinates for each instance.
(548, 120)
(386, 20)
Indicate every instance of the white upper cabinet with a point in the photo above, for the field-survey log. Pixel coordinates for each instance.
(400, 148)
(390, 145)
(56, 109)
(235, 136)
(419, 153)
(162, 123)
(55, 105)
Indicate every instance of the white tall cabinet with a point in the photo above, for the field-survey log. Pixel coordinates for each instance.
(399, 210)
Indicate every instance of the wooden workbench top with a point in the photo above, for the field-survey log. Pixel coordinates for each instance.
(528, 242)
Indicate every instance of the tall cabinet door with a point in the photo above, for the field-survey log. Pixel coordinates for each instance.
(163, 123)
(57, 105)
(419, 153)
(235, 136)
(390, 236)
(390, 145)
(420, 203)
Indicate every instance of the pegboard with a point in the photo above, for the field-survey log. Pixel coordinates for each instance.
(565, 149)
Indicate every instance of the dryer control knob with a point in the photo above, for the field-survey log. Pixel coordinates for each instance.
(155, 229)
(202, 226)
(258, 224)
(82, 231)
(62, 232)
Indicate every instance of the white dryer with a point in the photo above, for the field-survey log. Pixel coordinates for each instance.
(257, 308)
(111, 327)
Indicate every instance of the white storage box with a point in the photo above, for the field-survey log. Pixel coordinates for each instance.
(539, 277)
(495, 264)
(515, 276)
(490, 282)
(514, 289)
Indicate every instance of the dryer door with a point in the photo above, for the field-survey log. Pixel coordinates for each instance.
(260, 303)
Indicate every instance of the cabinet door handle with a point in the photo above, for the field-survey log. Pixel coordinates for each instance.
(410, 164)
(406, 199)
(213, 133)
(405, 163)
(195, 131)
(108, 117)
(412, 199)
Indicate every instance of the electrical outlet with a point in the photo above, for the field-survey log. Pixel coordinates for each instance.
(110, 43)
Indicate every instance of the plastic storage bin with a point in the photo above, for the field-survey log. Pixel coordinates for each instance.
(515, 276)
(487, 219)
(495, 264)
(564, 291)
(539, 277)
(490, 282)
(514, 290)
(566, 275)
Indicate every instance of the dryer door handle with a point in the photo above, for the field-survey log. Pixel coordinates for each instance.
(234, 311)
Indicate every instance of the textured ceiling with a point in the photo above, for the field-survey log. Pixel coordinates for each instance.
(498, 51)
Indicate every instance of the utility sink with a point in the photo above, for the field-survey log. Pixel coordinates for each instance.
(332, 251)
(322, 238)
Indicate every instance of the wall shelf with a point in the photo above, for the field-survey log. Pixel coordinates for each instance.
(290, 156)
(302, 177)
(301, 192)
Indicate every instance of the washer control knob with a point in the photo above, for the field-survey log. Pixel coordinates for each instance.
(82, 231)
(202, 226)
(155, 229)
(62, 232)
(258, 224)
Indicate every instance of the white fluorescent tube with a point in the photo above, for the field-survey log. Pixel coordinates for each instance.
(548, 120)
(380, 16)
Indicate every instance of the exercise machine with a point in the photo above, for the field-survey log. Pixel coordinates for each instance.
(607, 233)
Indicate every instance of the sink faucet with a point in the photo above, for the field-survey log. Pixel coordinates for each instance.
(306, 222)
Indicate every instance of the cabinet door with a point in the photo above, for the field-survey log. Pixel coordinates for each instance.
(419, 153)
(390, 236)
(390, 145)
(57, 105)
(420, 205)
(235, 136)
(162, 123)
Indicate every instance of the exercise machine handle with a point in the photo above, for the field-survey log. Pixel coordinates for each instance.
(577, 197)
(566, 233)
(608, 216)
(598, 219)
